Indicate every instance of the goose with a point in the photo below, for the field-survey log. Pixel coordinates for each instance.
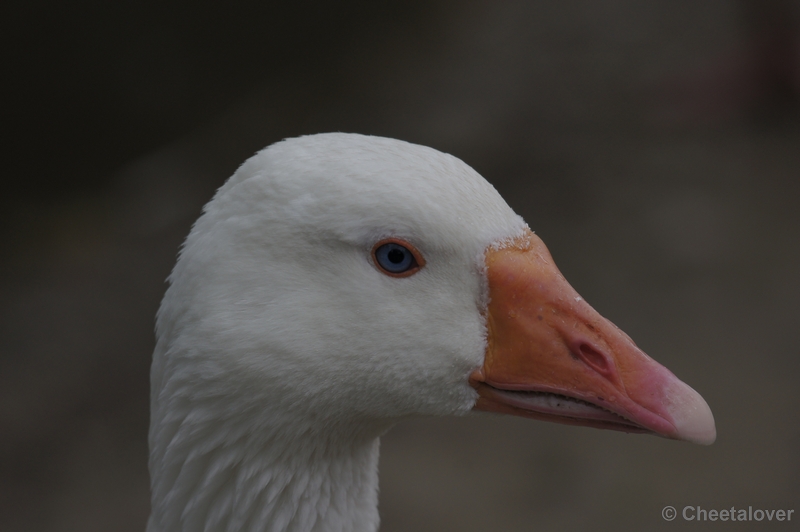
(338, 284)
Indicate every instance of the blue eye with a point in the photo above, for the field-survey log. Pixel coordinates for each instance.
(396, 259)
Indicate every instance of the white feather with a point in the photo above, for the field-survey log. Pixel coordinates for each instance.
(283, 353)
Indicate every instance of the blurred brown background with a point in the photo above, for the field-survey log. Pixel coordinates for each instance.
(655, 146)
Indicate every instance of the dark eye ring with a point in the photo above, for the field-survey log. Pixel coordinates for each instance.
(396, 257)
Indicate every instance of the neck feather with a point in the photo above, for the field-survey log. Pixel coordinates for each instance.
(212, 473)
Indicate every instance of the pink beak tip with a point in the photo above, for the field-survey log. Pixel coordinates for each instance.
(690, 415)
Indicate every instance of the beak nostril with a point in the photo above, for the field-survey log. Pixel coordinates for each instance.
(595, 358)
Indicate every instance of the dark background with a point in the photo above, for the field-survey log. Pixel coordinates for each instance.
(655, 146)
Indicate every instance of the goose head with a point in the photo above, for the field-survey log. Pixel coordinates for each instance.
(339, 283)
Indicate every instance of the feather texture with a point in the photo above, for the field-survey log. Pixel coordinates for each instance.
(283, 353)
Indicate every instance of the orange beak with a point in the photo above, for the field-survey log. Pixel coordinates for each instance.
(551, 356)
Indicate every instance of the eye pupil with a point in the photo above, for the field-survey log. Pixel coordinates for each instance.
(396, 256)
